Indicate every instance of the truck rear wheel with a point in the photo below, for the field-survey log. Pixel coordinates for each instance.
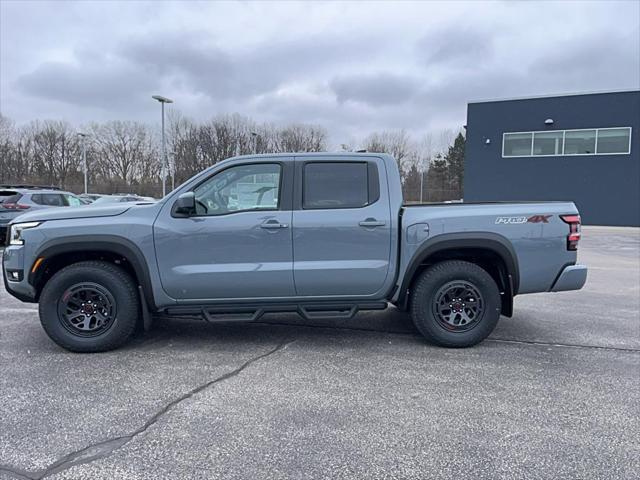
(455, 304)
(89, 307)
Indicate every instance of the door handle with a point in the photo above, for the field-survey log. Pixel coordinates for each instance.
(273, 225)
(371, 222)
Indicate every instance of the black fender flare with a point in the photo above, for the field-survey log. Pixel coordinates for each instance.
(104, 243)
(493, 242)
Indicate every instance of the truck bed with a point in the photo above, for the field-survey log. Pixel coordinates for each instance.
(534, 229)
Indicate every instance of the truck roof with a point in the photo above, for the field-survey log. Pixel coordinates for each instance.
(337, 156)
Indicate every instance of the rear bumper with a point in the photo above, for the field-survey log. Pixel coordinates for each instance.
(572, 277)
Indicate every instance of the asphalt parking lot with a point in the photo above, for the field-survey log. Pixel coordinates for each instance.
(554, 393)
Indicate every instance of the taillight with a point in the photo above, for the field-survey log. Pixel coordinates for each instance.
(574, 230)
(15, 206)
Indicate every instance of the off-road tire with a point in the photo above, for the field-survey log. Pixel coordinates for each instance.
(107, 276)
(424, 304)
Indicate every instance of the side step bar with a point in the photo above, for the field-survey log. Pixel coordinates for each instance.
(252, 313)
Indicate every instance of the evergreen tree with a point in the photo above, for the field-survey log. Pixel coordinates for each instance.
(455, 163)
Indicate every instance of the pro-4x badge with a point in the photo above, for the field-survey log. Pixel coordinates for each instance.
(510, 220)
(519, 220)
(539, 219)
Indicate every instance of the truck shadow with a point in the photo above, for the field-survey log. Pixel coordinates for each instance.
(272, 327)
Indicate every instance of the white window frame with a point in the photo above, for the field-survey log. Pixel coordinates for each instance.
(595, 145)
(614, 128)
(517, 156)
(533, 139)
(563, 154)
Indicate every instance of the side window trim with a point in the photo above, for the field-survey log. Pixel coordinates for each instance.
(373, 179)
(282, 170)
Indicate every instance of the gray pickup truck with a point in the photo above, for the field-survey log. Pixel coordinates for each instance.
(323, 235)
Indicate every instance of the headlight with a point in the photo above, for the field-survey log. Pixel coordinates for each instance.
(15, 235)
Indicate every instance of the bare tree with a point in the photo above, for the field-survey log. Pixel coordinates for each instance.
(55, 154)
(396, 143)
(123, 149)
(124, 155)
(300, 138)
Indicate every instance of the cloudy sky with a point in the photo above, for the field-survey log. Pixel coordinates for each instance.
(353, 67)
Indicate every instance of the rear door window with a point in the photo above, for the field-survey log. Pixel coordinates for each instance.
(48, 199)
(335, 185)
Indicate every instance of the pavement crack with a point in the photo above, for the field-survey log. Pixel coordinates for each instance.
(103, 449)
(564, 345)
(490, 339)
(15, 472)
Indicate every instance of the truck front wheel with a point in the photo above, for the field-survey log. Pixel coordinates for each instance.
(89, 307)
(455, 304)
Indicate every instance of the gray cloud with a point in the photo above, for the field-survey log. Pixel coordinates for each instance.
(88, 85)
(375, 89)
(192, 60)
(598, 56)
(456, 45)
(351, 67)
(187, 60)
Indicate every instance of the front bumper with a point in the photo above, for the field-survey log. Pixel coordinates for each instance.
(13, 260)
(572, 277)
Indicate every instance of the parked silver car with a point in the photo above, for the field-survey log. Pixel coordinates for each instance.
(16, 201)
(117, 198)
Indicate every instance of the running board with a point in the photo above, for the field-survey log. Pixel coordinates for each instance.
(252, 313)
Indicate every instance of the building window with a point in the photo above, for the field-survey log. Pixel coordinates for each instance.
(548, 143)
(614, 140)
(517, 144)
(579, 142)
(551, 143)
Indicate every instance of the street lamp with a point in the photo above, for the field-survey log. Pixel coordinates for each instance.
(162, 101)
(172, 169)
(83, 137)
(255, 136)
(421, 178)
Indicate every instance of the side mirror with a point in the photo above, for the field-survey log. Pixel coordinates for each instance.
(185, 204)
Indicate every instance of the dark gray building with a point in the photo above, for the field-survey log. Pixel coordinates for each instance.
(584, 148)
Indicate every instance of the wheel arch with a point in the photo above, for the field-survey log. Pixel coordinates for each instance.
(492, 252)
(60, 252)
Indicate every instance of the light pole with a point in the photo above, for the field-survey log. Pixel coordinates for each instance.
(255, 136)
(83, 137)
(162, 101)
(173, 169)
(421, 179)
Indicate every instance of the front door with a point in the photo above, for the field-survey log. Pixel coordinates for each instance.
(342, 227)
(237, 244)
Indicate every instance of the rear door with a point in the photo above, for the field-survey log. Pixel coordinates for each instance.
(341, 227)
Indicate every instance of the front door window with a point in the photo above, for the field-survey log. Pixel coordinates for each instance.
(239, 189)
